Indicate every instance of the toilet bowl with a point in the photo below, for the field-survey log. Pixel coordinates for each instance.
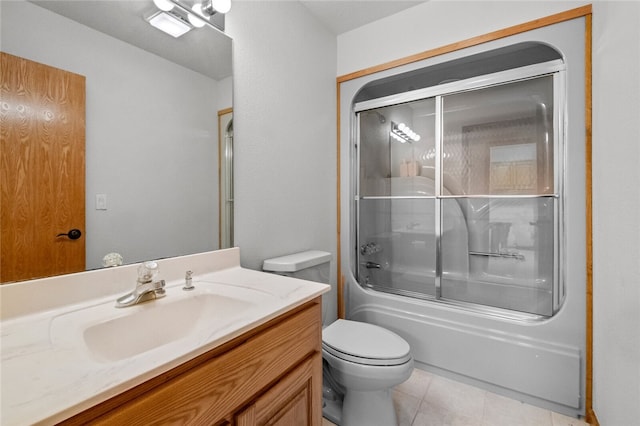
(361, 361)
(367, 360)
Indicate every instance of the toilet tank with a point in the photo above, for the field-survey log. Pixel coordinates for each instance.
(312, 265)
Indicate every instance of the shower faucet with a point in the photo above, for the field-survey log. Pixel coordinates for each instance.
(370, 248)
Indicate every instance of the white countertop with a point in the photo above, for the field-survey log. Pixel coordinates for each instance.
(48, 375)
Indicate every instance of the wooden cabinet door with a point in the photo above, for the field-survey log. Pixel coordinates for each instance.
(296, 399)
(42, 165)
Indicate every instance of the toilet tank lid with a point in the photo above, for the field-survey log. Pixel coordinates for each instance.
(297, 261)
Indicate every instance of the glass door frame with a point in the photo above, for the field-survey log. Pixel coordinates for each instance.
(557, 70)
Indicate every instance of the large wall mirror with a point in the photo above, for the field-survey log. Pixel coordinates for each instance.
(152, 102)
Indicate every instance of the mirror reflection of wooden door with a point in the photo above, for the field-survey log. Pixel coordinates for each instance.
(42, 170)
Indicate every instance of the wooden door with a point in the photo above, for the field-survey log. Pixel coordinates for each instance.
(42, 169)
(294, 400)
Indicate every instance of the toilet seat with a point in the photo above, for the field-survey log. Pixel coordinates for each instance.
(364, 343)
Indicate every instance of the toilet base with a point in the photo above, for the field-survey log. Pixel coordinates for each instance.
(366, 408)
(332, 411)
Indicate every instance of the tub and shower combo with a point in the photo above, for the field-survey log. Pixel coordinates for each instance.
(464, 229)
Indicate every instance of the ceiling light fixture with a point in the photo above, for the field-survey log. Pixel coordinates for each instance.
(164, 5)
(169, 23)
(179, 16)
(211, 7)
(197, 19)
(402, 133)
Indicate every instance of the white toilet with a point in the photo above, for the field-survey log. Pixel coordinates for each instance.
(362, 362)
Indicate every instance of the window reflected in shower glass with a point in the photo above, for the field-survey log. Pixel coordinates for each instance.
(397, 150)
(499, 140)
(511, 253)
(396, 245)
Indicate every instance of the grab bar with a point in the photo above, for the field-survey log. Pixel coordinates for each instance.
(517, 256)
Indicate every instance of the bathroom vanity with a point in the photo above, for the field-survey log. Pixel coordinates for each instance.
(244, 347)
(271, 372)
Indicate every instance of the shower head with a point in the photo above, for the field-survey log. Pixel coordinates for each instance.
(381, 118)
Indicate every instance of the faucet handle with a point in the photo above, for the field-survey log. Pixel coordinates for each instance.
(147, 272)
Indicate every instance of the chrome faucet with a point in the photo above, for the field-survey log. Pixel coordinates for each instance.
(146, 287)
(371, 265)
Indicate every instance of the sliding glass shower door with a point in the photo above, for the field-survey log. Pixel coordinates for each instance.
(458, 198)
(397, 198)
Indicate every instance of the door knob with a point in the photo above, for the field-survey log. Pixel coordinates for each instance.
(73, 234)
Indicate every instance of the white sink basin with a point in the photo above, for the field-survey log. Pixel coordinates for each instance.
(110, 334)
(158, 324)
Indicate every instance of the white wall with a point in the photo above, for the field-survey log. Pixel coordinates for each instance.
(616, 155)
(145, 166)
(284, 132)
(616, 207)
(224, 93)
(434, 24)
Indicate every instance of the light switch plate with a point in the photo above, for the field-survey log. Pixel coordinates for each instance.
(101, 201)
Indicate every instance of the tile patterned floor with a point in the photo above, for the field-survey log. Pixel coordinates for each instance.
(429, 400)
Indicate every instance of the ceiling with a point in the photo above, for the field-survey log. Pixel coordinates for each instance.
(342, 16)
